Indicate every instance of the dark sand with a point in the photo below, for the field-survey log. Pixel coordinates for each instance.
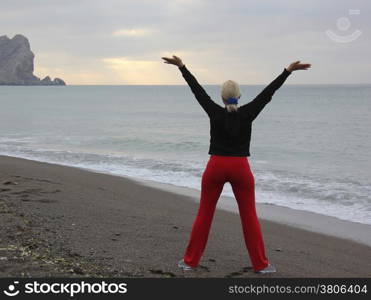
(63, 221)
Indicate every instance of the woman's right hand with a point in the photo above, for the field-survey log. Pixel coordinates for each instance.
(175, 60)
(297, 65)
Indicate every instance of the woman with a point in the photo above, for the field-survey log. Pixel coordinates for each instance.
(230, 130)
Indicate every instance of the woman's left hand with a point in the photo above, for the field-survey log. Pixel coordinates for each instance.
(175, 60)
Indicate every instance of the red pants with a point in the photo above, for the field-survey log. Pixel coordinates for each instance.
(236, 170)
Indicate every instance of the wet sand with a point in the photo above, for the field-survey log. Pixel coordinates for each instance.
(63, 221)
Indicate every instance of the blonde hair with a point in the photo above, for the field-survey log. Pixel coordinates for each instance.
(230, 89)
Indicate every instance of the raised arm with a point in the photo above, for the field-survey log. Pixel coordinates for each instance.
(253, 108)
(202, 97)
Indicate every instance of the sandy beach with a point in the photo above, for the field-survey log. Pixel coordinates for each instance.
(64, 221)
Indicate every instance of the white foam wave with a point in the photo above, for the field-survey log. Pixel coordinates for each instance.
(348, 202)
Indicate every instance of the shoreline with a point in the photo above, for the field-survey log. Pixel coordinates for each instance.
(98, 223)
(307, 220)
(302, 219)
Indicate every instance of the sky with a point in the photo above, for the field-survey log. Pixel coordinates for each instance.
(250, 41)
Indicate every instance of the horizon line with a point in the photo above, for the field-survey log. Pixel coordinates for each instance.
(205, 84)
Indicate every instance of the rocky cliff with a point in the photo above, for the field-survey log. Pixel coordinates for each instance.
(16, 63)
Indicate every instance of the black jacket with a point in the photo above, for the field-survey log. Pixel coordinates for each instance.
(230, 132)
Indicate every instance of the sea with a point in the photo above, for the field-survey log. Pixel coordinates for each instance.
(310, 146)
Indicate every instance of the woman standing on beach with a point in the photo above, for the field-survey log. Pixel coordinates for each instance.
(230, 130)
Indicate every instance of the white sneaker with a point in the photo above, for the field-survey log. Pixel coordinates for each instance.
(268, 269)
(184, 266)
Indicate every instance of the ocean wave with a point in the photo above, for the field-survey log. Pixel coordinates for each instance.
(343, 198)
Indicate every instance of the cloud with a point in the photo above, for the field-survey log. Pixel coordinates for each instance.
(122, 62)
(129, 71)
(132, 32)
(245, 40)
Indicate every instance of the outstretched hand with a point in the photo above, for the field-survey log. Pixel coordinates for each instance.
(175, 60)
(297, 65)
